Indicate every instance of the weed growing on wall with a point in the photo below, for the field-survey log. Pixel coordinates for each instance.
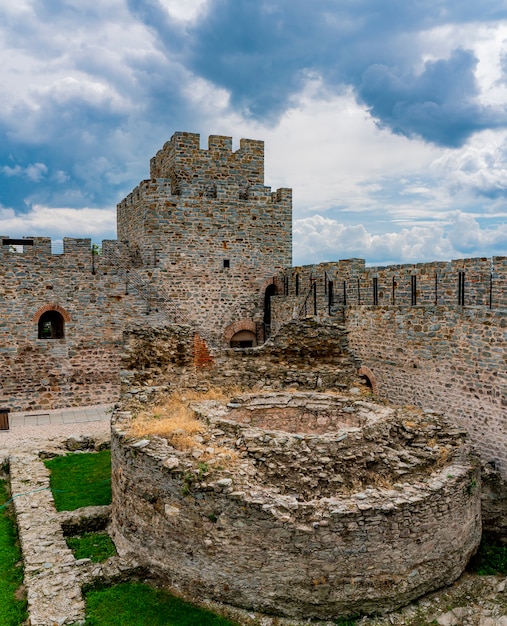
(491, 558)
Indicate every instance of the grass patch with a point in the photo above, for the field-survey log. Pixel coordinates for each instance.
(80, 480)
(95, 546)
(137, 604)
(490, 559)
(12, 610)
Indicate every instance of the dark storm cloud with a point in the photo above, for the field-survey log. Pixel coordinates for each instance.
(96, 106)
(261, 52)
(438, 104)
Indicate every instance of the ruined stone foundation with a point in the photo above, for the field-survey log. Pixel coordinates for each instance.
(301, 504)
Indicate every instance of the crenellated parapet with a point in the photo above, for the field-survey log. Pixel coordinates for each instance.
(33, 248)
(215, 172)
(461, 282)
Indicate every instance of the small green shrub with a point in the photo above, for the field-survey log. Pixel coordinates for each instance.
(491, 558)
(79, 480)
(95, 546)
(137, 604)
(346, 621)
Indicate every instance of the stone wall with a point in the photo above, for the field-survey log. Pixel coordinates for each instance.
(245, 532)
(83, 366)
(207, 231)
(443, 358)
(303, 355)
(465, 282)
(449, 356)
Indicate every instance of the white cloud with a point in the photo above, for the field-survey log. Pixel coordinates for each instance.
(34, 172)
(478, 167)
(187, 11)
(319, 238)
(84, 89)
(46, 221)
(466, 235)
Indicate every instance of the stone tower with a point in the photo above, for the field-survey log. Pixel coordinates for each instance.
(210, 235)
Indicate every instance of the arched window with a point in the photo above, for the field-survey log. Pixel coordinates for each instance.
(51, 325)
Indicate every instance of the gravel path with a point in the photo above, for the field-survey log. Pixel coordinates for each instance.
(92, 421)
(31, 438)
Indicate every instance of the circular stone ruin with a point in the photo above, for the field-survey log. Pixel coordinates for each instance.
(306, 505)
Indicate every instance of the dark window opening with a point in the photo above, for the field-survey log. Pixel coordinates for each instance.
(51, 325)
(297, 284)
(245, 344)
(244, 339)
(330, 295)
(227, 263)
(366, 381)
(375, 290)
(461, 288)
(413, 289)
(270, 291)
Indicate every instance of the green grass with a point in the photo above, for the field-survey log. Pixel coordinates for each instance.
(95, 546)
(12, 611)
(80, 480)
(137, 604)
(491, 559)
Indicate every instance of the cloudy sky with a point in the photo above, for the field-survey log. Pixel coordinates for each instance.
(388, 118)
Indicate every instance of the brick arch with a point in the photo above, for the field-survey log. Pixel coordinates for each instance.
(266, 284)
(51, 307)
(232, 329)
(366, 371)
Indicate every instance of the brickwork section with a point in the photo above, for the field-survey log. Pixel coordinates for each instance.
(207, 231)
(251, 535)
(202, 356)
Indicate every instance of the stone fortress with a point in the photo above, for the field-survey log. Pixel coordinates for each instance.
(199, 291)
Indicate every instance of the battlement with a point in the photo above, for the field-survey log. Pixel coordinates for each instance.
(460, 282)
(182, 161)
(31, 247)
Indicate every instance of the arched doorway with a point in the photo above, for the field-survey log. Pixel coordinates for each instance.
(368, 378)
(241, 334)
(243, 339)
(270, 291)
